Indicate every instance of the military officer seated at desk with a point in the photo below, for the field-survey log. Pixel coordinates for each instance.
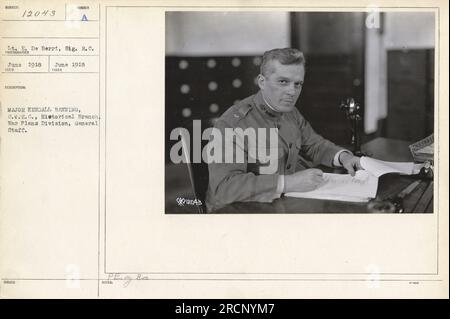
(280, 81)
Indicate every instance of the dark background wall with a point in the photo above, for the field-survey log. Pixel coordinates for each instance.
(333, 43)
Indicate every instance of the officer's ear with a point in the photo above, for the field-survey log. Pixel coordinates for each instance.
(261, 81)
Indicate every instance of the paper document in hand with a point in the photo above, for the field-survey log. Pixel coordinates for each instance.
(378, 168)
(344, 187)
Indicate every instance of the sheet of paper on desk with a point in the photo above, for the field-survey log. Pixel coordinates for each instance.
(344, 187)
(378, 168)
(361, 187)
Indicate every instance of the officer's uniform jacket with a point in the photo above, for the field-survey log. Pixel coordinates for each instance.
(299, 146)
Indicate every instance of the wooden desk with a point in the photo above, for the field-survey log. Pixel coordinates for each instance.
(419, 201)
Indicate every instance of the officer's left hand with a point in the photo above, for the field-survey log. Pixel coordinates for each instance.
(350, 163)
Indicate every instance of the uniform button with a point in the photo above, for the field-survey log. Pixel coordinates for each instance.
(288, 166)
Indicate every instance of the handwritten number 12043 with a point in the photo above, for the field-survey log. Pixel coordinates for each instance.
(43, 13)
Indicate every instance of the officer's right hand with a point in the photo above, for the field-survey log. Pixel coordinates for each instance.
(303, 181)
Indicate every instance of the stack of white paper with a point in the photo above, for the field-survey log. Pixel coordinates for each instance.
(378, 168)
(344, 187)
(359, 188)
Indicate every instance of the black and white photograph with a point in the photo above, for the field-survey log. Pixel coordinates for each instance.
(205, 150)
(276, 112)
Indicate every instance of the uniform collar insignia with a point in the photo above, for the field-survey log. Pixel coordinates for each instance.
(261, 104)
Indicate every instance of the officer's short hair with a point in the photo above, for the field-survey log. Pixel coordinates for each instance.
(285, 56)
